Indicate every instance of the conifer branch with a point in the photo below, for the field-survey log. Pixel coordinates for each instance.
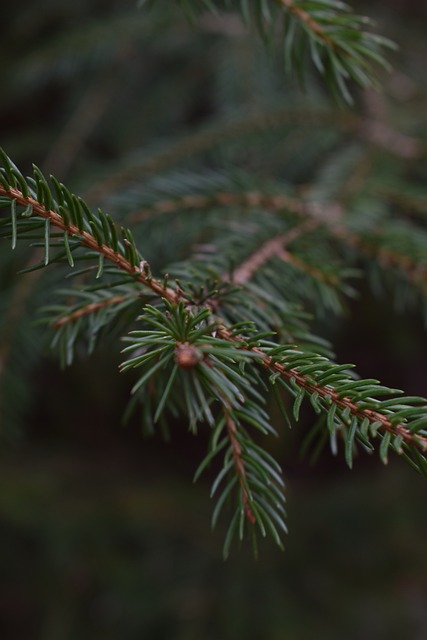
(250, 263)
(409, 201)
(270, 248)
(239, 467)
(340, 47)
(86, 310)
(331, 395)
(377, 134)
(89, 241)
(415, 271)
(318, 274)
(326, 214)
(222, 133)
(308, 20)
(249, 199)
(385, 137)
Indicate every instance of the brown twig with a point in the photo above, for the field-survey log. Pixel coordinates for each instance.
(308, 20)
(329, 394)
(414, 271)
(212, 137)
(93, 307)
(270, 248)
(222, 199)
(239, 466)
(329, 215)
(89, 241)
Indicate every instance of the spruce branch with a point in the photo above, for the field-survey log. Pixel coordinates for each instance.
(243, 257)
(191, 361)
(215, 135)
(240, 467)
(414, 269)
(86, 310)
(250, 199)
(358, 406)
(273, 247)
(123, 255)
(330, 214)
(338, 42)
(405, 257)
(222, 133)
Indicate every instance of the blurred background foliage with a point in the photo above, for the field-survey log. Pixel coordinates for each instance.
(102, 533)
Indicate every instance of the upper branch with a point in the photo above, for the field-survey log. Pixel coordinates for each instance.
(270, 248)
(307, 20)
(337, 40)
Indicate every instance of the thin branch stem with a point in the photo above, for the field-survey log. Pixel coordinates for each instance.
(308, 21)
(371, 131)
(415, 272)
(221, 198)
(329, 394)
(88, 309)
(270, 248)
(89, 241)
(314, 272)
(329, 215)
(218, 133)
(239, 466)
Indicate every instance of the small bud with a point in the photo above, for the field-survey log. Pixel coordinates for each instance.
(187, 355)
(144, 268)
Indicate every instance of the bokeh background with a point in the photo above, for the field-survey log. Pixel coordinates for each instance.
(102, 532)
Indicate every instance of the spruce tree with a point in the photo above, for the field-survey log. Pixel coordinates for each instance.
(274, 176)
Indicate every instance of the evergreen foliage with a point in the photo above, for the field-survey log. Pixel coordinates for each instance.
(223, 245)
